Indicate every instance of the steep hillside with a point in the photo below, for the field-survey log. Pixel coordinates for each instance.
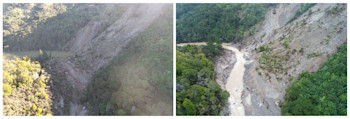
(92, 36)
(43, 26)
(138, 81)
(94, 49)
(282, 48)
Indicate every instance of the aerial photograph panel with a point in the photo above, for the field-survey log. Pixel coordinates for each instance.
(67, 59)
(257, 59)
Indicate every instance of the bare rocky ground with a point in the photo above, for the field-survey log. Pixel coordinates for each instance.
(321, 32)
(93, 49)
(223, 66)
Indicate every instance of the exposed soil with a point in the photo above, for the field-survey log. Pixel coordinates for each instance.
(322, 32)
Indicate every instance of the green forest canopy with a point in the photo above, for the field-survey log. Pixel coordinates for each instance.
(229, 22)
(320, 93)
(46, 26)
(197, 93)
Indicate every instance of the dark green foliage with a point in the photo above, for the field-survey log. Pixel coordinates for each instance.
(314, 54)
(213, 47)
(263, 48)
(320, 93)
(304, 7)
(190, 109)
(229, 22)
(196, 91)
(335, 10)
(43, 56)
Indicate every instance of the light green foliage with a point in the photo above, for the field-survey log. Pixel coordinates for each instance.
(7, 89)
(286, 44)
(229, 22)
(320, 93)
(24, 89)
(121, 112)
(196, 91)
(34, 107)
(40, 110)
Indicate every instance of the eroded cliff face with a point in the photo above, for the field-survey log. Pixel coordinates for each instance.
(303, 45)
(223, 66)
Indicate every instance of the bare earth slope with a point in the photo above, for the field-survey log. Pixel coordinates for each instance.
(93, 50)
(319, 32)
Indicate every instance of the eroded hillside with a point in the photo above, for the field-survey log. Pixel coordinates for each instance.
(94, 48)
(280, 50)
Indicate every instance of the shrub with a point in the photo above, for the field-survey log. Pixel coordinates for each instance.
(6, 89)
(190, 109)
(121, 112)
(263, 48)
(34, 107)
(310, 11)
(40, 110)
(301, 50)
(286, 44)
(27, 84)
(314, 54)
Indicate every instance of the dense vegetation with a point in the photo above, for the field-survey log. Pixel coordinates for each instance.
(42, 26)
(304, 7)
(25, 89)
(321, 93)
(197, 93)
(138, 76)
(228, 22)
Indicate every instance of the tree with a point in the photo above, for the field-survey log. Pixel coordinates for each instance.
(190, 108)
